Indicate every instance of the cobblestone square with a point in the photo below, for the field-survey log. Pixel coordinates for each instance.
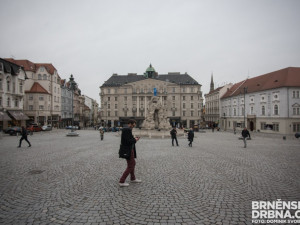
(74, 180)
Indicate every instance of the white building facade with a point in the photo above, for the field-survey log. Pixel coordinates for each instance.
(269, 103)
(12, 81)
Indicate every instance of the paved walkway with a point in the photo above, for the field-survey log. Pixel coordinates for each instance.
(74, 180)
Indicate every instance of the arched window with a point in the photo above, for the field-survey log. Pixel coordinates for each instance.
(45, 77)
(275, 109)
(263, 110)
(39, 76)
(8, 85)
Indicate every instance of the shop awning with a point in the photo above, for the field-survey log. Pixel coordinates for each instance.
(4, 116)
(18, 115)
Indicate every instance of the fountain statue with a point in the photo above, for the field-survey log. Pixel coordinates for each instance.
(156, 116)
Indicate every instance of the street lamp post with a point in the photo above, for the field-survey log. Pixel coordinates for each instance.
(72, 87)
(245, 91)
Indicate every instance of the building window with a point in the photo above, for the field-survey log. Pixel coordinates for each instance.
(0, 101)
(39, 77)
(296, 111)
(296, 127)
(116, 98)
(276, 127)
(183, 106)
(174, 90)
(251, 110)
(21, 87)
(30, 107)
(8, 85)
(116, 113)
(14, 87)
(0, 83)
(125, 98)
(192, 105)
(8, 102)
(16, 102)
(192, 98)
(296, 94)
(44, 77)
(41, 98)
(125, 90)
(183, 113)
(183, 90)
(276, 110)
(183, 98)
(30, 97)
(108, 106)
(108, 113)
(234, 112)
(173, 113)
(108, 98)
(262, 125)
(173, 98)
(116, 106)
(125, 113)
(41, 107)
(192, 113)
(263, 110)
(108, 91)
(192, 90)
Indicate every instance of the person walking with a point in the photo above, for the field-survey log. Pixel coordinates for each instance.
(128, 142)
(191, 136)
(173, 133)
(24, 137)
(245, 134)
(101, 134)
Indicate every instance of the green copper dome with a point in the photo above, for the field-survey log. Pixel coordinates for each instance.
(150, 72)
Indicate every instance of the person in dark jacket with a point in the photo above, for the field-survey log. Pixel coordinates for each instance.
(24, 137)
(173, 133)
(101, 134)
(191, 136)
(127, 140)
(245, 134)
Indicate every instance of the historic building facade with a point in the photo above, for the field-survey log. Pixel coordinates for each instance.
(268, 103)
(213, 102)
(128, 96)
(12, 81)
(43, 93)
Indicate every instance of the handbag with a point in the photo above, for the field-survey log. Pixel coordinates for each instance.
(124, 152)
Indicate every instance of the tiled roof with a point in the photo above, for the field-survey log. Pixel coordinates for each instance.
(119, 80)
(30, 66)
(37, 88)
(288, 77)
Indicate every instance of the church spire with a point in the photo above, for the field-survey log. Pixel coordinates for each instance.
(212, 86)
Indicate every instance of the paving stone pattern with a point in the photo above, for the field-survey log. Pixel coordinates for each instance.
(74, 180)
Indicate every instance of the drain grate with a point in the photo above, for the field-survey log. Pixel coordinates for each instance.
(33, 172)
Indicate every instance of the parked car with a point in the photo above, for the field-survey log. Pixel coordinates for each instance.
(47, 127)
(34, 128)
(74, 127)
(13, 130)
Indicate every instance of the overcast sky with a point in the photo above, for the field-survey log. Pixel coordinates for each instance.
(93, 39)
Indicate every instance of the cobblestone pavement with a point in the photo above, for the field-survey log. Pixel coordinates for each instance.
(74, 180)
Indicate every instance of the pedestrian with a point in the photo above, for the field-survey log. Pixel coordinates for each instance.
(245, 134)
(24, 137)
(173, 133)
(101, 134)
(128, 142)
(191, 136)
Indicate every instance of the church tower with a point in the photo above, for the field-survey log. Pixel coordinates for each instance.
(212, 86)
